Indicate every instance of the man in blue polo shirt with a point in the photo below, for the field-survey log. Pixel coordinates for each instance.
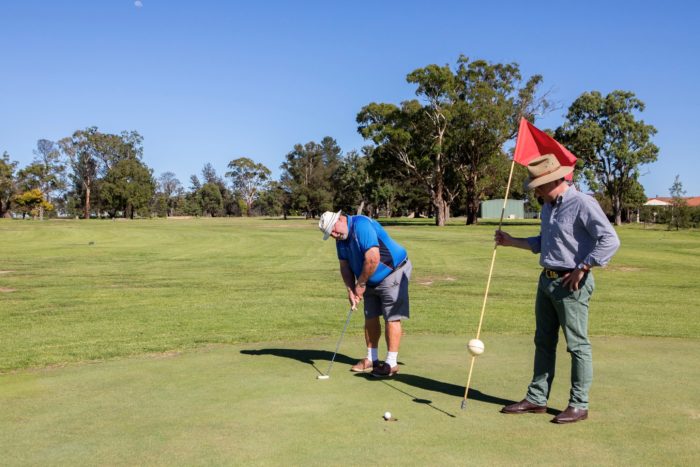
(375, 269)
(575, 236)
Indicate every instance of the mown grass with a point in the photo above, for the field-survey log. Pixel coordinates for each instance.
(75, 290)
(83, 296)
(261, 404)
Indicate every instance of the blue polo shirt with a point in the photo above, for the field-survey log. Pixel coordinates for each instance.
(365, 233)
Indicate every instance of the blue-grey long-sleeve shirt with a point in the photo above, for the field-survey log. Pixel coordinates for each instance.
(574, 230)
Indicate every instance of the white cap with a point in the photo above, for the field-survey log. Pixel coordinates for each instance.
(327, 222)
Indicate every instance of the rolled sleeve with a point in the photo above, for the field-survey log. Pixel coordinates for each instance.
(606, 240)
(535, 243)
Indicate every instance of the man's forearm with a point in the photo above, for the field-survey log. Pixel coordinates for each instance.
(348, 276)
(369, 266)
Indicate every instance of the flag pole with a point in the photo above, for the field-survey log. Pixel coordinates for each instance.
(488, 284)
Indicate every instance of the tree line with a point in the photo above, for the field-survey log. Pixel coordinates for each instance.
(437, 155)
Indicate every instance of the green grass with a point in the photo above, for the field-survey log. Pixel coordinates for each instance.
(261, 404)
(197, 342)
(75, 291)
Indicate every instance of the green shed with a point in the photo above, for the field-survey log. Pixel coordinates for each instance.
(491, 209)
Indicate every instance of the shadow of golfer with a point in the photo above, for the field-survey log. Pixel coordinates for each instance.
(309, 357)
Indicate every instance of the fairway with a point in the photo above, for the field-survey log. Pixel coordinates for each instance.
(199, 341)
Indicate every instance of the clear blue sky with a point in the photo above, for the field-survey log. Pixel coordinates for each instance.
(210, 81)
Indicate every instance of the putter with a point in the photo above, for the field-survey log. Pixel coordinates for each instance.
(328, 371)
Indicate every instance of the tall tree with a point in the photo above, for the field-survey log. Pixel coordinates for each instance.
(228, 202)
(679, 207)
(171, 188)
(491, 100)
(112, 148)
(48, 156)
(81, 150)
(128, 187)
(352, 183)
(447, 137)
(605, 133)
(274, 200)
(248, 179)
(307, 174)
(211, 199)
(93, 154)
(7, 184)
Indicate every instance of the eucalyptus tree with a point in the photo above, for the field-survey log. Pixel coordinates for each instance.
(112, 148)
(447, 138)
(605, 133)
(128, 187)
(7, 184)
(92, 155)
(212, 200)
(492, 97)
(274, 200)
(171, 189)
(84, 159)
(307, 173)
(680, 215)
(413, 135)
(229, 204)
(352, 183)
(248, 179)
(51, 170)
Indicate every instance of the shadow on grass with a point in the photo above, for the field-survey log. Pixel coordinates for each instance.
(445, 388)
(310, 357)
(458, 391)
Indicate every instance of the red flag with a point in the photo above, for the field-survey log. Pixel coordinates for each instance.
(533, 142)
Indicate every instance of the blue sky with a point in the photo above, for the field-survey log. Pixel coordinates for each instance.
(210, 81)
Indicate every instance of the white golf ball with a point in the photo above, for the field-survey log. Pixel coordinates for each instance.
(476, 347)
(387, 415)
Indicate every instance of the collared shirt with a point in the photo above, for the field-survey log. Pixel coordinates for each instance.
(365, 233)
(574, 230)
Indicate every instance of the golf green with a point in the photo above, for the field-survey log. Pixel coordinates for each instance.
(262, 404)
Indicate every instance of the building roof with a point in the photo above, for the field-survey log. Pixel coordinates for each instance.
(691, 201)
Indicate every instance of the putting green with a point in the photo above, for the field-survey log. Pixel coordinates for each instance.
(262, 404)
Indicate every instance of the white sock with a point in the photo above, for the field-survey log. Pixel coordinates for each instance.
(372, 354)
(391, 358)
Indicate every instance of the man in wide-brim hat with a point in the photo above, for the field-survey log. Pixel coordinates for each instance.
(575, 236)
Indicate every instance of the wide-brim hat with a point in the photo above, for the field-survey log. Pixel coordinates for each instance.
(327, 222)
(545, 169)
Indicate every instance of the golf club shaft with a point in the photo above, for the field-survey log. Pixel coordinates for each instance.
(347, 320)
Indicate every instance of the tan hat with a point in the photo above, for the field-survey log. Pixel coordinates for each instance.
(327, 222)
(545, 169)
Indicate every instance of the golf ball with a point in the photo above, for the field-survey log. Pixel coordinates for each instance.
(476, 347)
(387, 415)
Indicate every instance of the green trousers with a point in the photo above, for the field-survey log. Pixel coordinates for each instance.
(557, 307)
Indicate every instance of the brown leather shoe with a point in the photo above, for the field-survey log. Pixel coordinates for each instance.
(385, 371)
(364, 365)
(571, 415)
(524, 406)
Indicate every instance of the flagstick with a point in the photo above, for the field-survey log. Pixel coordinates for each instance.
(488, 285)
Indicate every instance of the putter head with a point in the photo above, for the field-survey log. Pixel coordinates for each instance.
(323, 377)
(464, 404)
